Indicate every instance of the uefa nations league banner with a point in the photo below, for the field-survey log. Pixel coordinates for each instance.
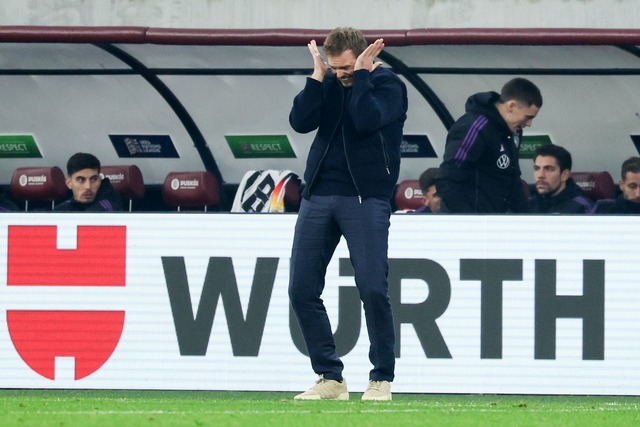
(482, 304)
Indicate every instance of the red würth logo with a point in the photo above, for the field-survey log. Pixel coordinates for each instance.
(40, 336)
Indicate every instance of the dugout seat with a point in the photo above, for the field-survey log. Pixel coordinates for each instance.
(126, 180)
(268, 191)
(191, 190)
(596, 185)
(37, 184)
(408, 195)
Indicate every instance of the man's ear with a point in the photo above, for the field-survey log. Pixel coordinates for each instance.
(68, 182)
(566, 174)
(511, 104)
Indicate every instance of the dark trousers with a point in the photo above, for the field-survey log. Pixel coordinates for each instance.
(322, 220)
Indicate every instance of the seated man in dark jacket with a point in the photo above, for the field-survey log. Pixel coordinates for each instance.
(628, 202)
(556, 192)
(91, 192)
(430, 196)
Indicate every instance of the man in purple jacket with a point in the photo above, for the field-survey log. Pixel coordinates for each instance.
(480, 171)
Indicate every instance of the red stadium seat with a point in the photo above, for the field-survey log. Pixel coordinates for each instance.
(39, 183)
(126, 180)
(408, 195)
(191, 189)
(596, 185)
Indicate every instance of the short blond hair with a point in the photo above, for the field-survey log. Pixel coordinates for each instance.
(342, 39)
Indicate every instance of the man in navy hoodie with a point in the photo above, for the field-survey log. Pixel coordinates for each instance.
(480, 171)
(556, 192)
(358, 109)
(90, 192)
(628, 201)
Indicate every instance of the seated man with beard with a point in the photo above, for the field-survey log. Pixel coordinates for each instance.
(556, 192)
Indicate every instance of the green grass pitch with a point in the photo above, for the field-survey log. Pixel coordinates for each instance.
(127, 408)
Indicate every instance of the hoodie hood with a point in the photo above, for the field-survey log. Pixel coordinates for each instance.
(483, 103)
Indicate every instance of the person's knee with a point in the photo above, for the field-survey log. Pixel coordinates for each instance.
(374, 295)
(299, 295)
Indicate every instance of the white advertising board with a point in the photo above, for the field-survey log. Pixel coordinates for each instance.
(482, 304)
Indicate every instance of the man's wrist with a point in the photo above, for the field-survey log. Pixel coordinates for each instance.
(318, 76)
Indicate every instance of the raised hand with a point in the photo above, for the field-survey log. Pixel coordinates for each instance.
(319, 66)
(366, 59)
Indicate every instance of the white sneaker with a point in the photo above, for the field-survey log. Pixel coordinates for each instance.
(377, 390)
(325, 390)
